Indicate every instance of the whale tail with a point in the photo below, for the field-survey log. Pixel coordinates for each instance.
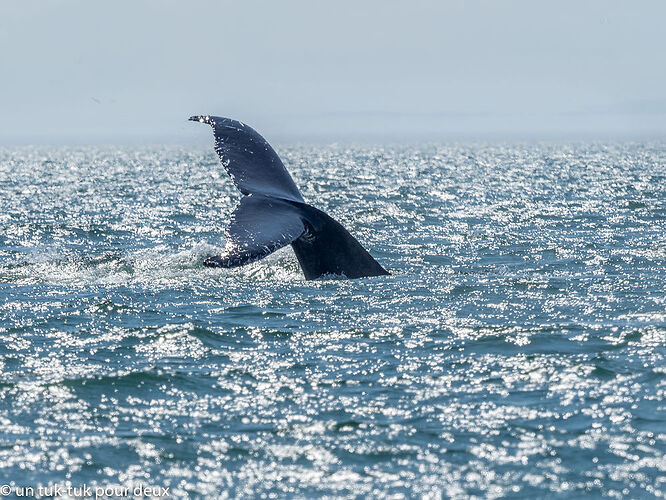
(273, 214)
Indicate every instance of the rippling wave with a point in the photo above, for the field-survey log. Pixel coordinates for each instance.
(517, 349)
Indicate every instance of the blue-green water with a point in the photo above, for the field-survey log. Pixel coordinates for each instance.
(516, 350)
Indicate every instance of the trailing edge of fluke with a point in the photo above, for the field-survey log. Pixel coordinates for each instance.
(273, 214)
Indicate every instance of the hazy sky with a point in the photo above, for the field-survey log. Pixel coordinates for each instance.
(89, 70)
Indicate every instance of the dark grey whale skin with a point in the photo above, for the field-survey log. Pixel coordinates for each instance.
(273, 213)
(328, 248)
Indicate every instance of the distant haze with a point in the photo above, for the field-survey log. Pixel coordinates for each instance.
(81, 71)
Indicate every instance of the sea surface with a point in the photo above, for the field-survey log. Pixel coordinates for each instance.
(516, 350)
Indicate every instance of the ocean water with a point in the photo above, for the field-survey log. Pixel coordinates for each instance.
(516, 350)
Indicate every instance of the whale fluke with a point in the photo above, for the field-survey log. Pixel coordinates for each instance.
(250, 161)
(259, 226)
(273, 214)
